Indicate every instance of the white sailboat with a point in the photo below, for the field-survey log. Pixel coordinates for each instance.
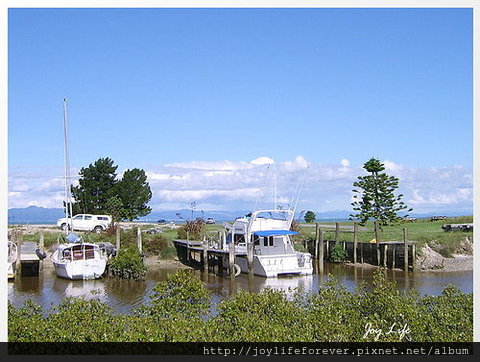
(74, 258)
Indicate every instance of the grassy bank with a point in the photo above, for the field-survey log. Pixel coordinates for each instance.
(422, 231)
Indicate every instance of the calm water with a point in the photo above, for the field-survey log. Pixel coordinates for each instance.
(125, 295)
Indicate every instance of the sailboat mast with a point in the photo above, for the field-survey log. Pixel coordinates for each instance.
(68, 201)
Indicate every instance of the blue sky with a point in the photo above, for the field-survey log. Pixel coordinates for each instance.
(204, 99)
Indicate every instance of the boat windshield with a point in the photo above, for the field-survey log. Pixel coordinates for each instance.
(79, 252)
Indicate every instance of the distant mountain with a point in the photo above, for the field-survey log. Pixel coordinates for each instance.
(34, 215)
(41, 215)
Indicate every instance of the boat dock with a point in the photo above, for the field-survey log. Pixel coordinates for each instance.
(212, 258)
(29, 260)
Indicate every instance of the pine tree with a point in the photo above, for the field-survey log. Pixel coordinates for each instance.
(134, 191)
(96, 187)
(310, 216)
(374, 196)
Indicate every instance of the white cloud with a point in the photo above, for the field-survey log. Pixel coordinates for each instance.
(344, 162)
(262, 161)
(229, 185)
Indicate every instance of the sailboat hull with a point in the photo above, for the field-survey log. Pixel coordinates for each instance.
(82, 269)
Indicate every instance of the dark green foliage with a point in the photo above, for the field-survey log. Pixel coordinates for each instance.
(182, 295)
(96, 186)
(374, 196)
(99, 192)
(179, 311)
(310, 216)
(338, 253)
(128, 264)
(134, 193)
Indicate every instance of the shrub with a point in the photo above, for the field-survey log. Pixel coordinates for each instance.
(128, 264)
(192, 230)
(338, 254)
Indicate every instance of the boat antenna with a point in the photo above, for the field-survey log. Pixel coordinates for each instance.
(275, 188)
(68, 200)
(300, 188)
(263, 185)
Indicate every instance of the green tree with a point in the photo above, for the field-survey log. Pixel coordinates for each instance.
(96, 186)
(310, 216)
(374, 196)
(99, 192)
(134, 192)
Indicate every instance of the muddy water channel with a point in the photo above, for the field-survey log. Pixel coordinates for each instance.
(124, 296)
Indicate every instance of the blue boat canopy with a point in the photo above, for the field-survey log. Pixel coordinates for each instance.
(274, 232)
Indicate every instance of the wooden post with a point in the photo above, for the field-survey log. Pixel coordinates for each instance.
(316, 242)
(337, 232)
(327, 246)
(378, 254)
(231, 259)
(414, 255)
(405, 248)
(117, 238)
(355, 241)
(377, 232)
(41, 242)
(394, 248)
(385, 255)
(250, 257)
(205, 257)
(320, 254)
(139, 240)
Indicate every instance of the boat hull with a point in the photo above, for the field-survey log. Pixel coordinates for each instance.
(275, 265)
(80, 269)
(11, 270)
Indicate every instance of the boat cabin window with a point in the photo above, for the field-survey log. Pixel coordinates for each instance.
(77, 252)
(256, 239)
(239, 238)
(268, 241)
(67, 254)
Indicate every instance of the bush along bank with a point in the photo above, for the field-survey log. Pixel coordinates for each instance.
(180, 311)
(128, 264)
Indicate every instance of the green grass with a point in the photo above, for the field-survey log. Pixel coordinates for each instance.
(422, 231)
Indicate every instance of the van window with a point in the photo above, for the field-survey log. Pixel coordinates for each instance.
(88, 217)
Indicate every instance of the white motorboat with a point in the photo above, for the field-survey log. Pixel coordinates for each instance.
(273, 252)
(12, 259)
(76, 259)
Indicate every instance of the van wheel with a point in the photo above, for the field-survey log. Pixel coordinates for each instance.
(97, 229)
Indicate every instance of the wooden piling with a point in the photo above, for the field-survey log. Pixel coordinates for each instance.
(205, 257)
(414, 254)
(231, 259)
(250, 257)
(117, 238)
(321, 257)
(394, 249)
(377, 232)
(41, 242)
(316, 251)
(385, 248)
(139, 240)
(405, 248)
(355, 241)
(337, 232)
